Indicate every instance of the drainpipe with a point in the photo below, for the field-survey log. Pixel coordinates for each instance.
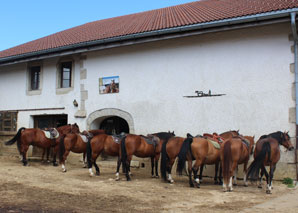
(294, 30)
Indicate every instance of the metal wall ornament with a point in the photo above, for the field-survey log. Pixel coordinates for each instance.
(201, 94)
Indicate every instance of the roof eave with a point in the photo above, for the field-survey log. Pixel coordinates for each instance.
(213, 24)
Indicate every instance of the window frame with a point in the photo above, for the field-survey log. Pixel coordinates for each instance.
(12, 117)
(34, 85)
(59, 77)
(30, 91)
(66, 65)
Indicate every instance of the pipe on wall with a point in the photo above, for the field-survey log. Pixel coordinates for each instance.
(295, 37)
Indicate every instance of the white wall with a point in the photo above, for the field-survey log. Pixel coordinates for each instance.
(250, 66)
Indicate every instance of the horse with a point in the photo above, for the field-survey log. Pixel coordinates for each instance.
(36, 137)
(76, 143)
(229, 134)
(235, 151)
(108, 144)
(216, 140)
(267, 153)
(169, 152)
(139, 146)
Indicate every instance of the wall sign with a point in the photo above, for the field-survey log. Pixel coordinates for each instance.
(109, 85)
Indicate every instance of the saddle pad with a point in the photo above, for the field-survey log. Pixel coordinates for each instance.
(49, 135)
(116, 139)
(215, 144)
(84, 138)
(245, 142)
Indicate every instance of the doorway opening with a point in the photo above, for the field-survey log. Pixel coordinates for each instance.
(114, 125)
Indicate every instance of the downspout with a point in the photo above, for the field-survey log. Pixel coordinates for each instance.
(294, 30)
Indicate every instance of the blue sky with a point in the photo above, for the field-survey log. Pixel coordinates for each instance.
(27, 20)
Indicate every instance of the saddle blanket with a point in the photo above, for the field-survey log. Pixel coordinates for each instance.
(84, 138)
(51, 134)
(215, 144)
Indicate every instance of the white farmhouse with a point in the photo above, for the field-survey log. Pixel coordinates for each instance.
(138, 73)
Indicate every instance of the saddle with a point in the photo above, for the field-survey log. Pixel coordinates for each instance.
(215, 137)
(151, 139)
(51, 133)
(117, 138)
(244, 140)
(86, 136)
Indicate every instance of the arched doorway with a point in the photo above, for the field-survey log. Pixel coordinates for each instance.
(114, 125)
(111, 119)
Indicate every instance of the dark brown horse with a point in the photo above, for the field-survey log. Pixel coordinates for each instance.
(143, 147)
(235, 151)
(36, 137)
(169, 152)
(267, 153)
(108, 144)
(76, 143)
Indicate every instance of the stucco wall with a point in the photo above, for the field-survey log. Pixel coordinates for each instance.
(250, 66)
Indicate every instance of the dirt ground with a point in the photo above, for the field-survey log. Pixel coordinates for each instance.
(40, 187)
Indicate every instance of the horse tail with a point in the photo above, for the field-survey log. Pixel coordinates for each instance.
(123, 153)
(89, 153)
(254, 168)
(163, 161)
(16, 138)
(227, 158)
(186, 148)
(61, 147)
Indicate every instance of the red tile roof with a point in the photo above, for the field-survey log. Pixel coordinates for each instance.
(176, 16)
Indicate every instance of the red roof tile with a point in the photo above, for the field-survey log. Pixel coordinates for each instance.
(176, 16)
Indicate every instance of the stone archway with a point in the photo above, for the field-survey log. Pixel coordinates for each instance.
(96, 118)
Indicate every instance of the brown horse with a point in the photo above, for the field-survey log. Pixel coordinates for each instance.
(142, 147)
(214, 138)
(108, 144)
(267, 153)
(36, 137)
(235, 151)
(169, 152)
(75, 143)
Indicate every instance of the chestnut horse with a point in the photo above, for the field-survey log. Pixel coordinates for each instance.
(215, 138)
(75, 143)
(267, 153)
(141, 147)
(36, 137)
(108, 144)
(235, 151)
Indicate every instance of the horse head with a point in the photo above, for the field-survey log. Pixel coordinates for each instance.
(286, 142)
(74, 128)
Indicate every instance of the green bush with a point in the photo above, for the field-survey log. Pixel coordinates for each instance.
(289, 182)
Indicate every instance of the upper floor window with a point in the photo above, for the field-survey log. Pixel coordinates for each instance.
(35, 78)
(65, 74)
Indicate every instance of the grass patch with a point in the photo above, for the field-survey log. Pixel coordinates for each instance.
(289, 182)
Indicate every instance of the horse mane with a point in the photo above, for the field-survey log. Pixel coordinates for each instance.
(279, 136)
(164, 135)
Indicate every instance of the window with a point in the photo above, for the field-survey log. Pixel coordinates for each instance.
(65, 74)
(8, 121)
(35, 78)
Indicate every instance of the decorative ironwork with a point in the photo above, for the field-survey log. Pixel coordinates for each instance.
(201, 94)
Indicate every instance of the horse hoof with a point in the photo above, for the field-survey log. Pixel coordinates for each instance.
(234, 184)
(48, 161)
(117, 179)
(268, 192)
(192, 185)
(55, 164)
(64, 170)
(259, 186)
(245, 185)
(97, 173)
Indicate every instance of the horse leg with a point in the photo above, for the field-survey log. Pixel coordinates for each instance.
(48, 154)
(156, 164)
(127, 168)
(261, 178)
(152, 167)
(216, 172)
(220, 174)
(55, 151)
(235, 176)
(267, 180)
(190, 174)
(24, 150)
(84, 160)
(42, 156)
(63, 160)
(272, 169)
(96, 168)
(169, 170)
(233, 170)
(201, 172)
(244, 172)
(118, 167)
